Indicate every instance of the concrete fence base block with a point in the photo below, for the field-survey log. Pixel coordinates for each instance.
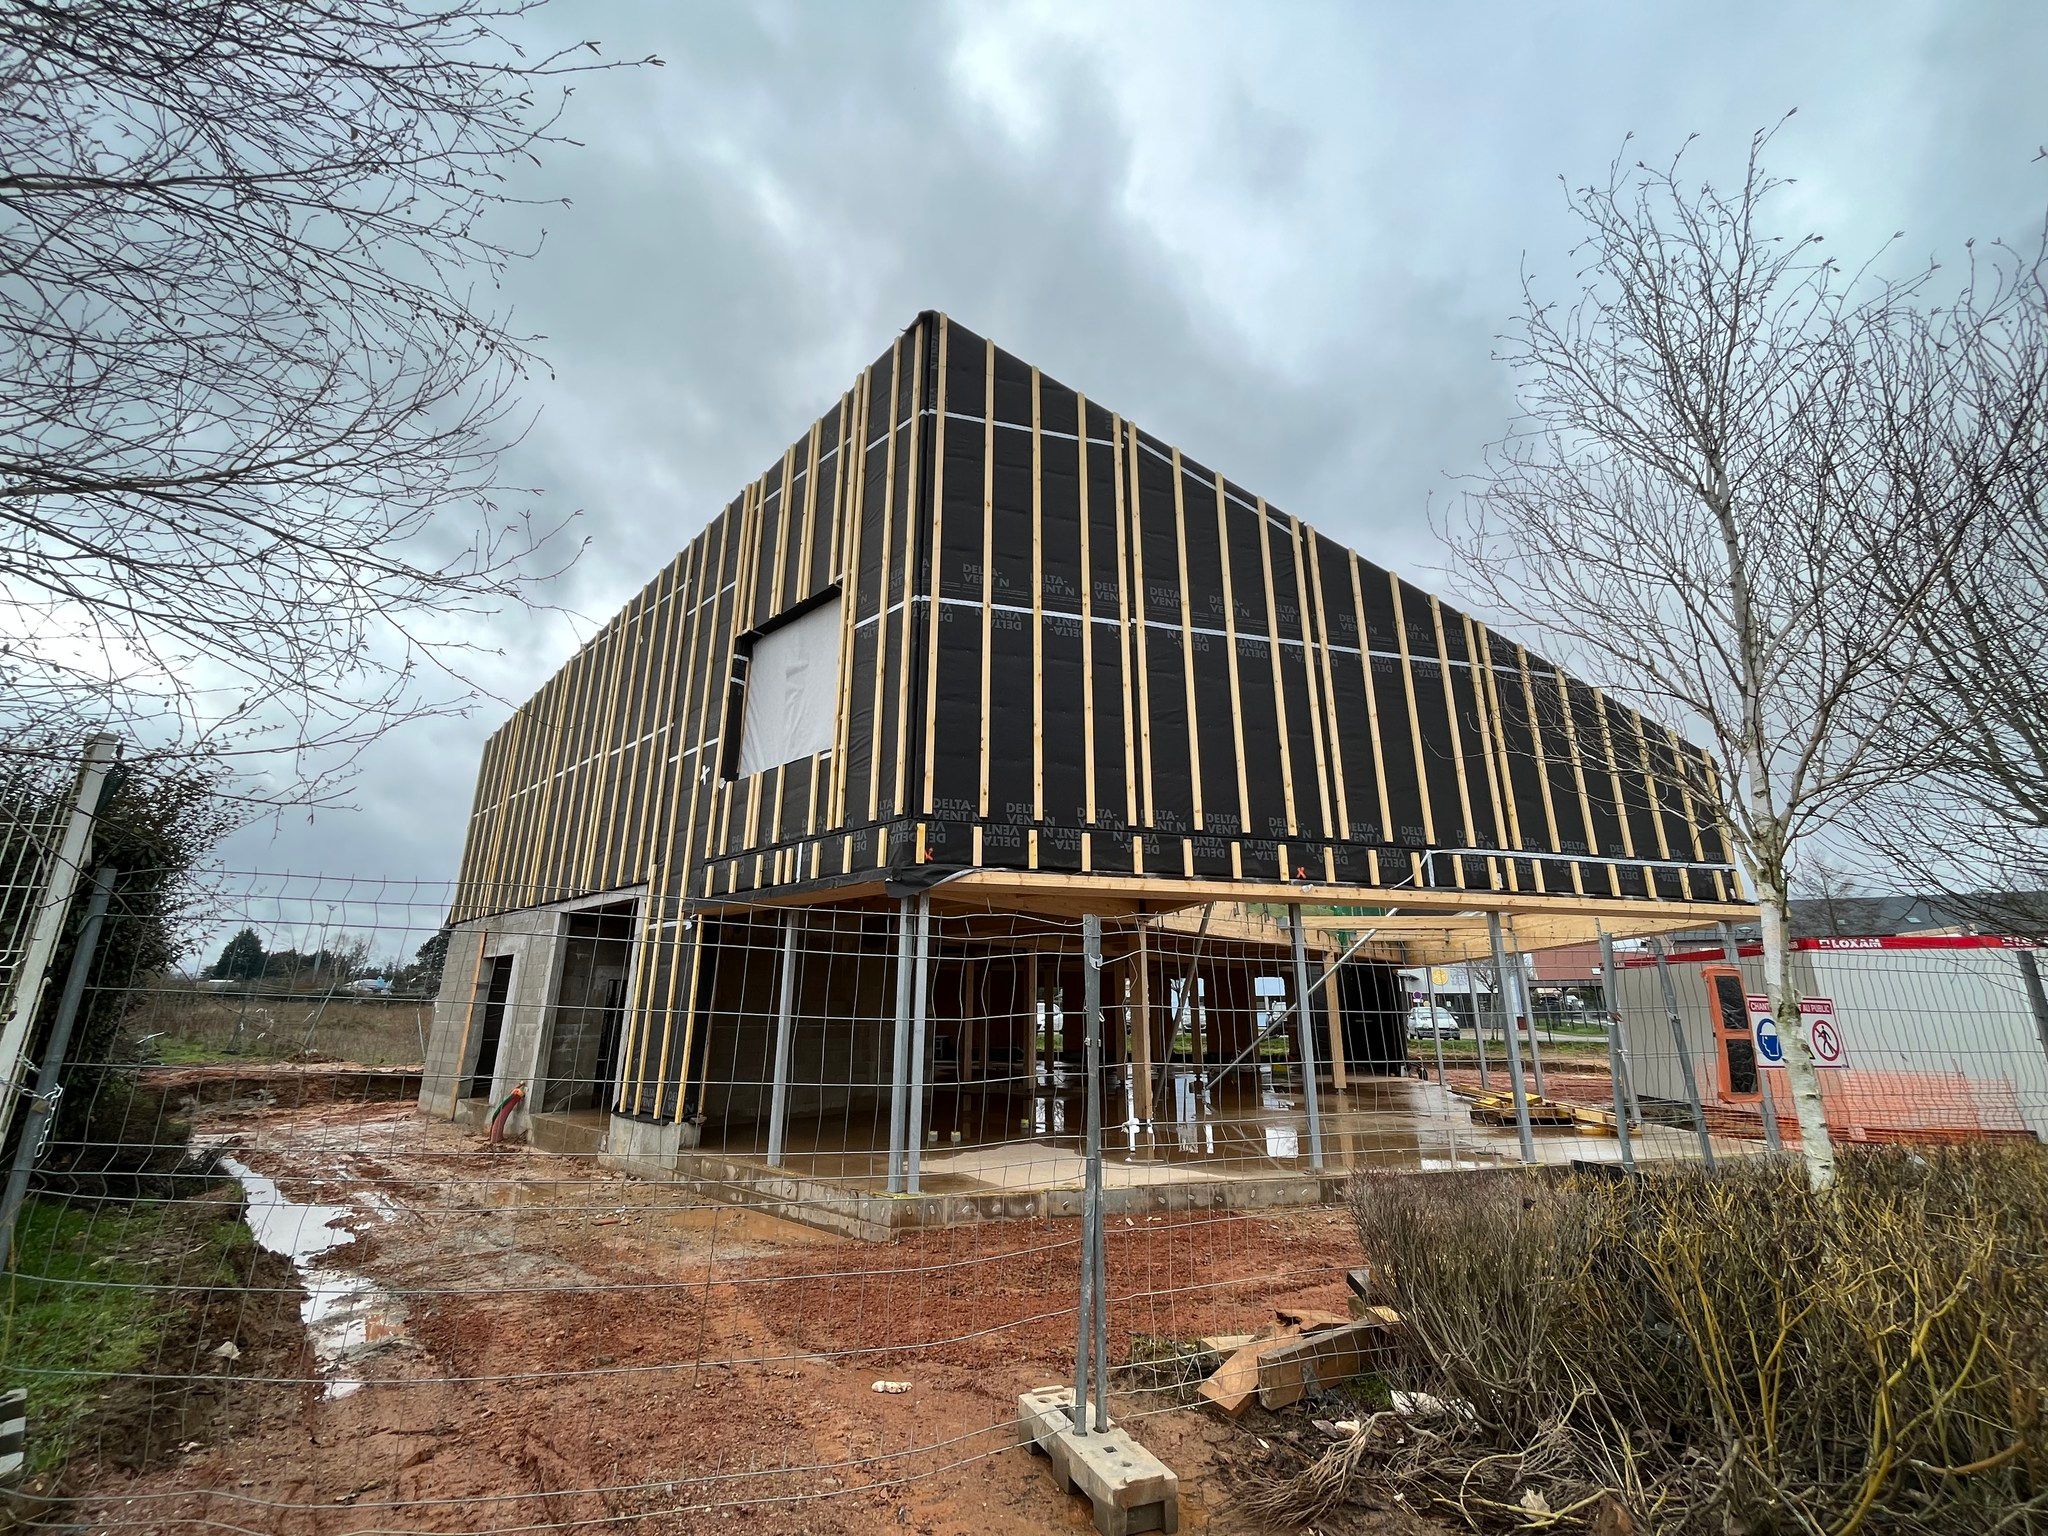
(13, 1434)
(1131, 1489)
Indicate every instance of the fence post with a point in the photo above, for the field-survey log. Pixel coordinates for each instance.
(785, 1021)
(2037, 1000)
(1614, 1063)
(1478, 1023)
(33, 973)
(914, 1140)
(1500, 972)
(899, 1056)
(42, 1109)
(1528, 1000)
(1692, 1087)
(1087, 1340)
(1305, 1031)
(1765, 1103)
(1429, 991)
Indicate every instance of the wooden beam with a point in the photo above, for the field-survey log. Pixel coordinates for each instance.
(1340, 1076)
(1141, 1007)
(1169, 891)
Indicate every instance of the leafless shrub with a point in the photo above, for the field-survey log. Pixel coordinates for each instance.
(1705, 1352)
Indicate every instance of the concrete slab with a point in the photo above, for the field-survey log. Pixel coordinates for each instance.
(1131, 1489)
(1044, 1165)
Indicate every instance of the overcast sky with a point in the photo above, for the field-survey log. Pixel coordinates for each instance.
(1279, 236)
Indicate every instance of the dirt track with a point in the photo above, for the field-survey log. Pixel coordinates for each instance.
(555, 1347)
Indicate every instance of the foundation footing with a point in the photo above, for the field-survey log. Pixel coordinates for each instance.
(1131, 1489)
(645, 1149)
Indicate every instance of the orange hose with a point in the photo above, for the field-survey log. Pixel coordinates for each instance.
(512, 1102)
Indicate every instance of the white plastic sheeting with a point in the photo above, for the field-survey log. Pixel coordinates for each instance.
(791, 708)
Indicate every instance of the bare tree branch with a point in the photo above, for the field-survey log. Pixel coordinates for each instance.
(258, 381)
(1722, 501)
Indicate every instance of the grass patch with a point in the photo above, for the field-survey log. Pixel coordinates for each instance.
(177, 1052)
(193, 1025)
(105, 1291)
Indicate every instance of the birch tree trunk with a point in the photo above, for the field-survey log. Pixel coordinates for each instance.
(1774, 904)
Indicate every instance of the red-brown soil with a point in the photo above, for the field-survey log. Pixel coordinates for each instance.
(582, 1352)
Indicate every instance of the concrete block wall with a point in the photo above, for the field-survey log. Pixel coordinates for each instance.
(533, 940)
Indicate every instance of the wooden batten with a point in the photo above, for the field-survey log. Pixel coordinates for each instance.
(1273, 657)
(988, 572)
(1148, 813)
(1372, 703)
(1244, 794)
(1414, 713)
(1123, 623)
(1037, 615)
(1089, 808)
(937, 502)
(1311, 647)
(1334, 744)
(1187, 643)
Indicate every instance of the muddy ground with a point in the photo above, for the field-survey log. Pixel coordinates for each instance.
(527, 1342)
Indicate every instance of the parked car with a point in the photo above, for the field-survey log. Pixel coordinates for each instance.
(1426, 1023)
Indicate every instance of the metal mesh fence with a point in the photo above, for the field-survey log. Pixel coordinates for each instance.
(340, 1228)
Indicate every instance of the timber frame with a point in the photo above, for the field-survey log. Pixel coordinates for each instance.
(1078, 672)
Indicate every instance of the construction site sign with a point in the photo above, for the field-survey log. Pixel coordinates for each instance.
(1822, 1032)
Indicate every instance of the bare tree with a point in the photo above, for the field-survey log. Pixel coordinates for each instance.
(1702, 509)
(257, 382)
(1964, 403)
(1829, 889)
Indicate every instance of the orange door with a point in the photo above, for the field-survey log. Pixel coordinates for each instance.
(1734, 1047)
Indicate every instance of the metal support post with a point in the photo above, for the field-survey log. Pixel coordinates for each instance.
(785, 1020)
(899, 1057)
(1090, 1340)
(1766, 1104)
(2037, 999)
(919, 977)
(1305, 1031)
(1429, 990)
(31, 975)
(1528, 1013)
(1615, 1070)
(1478, 1024)
(1500, 972)
(42, 1108)
(1692, 1087)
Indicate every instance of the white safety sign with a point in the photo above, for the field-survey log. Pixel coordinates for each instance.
(1822, 1032)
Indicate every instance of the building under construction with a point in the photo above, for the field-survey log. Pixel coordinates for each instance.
(787, 860)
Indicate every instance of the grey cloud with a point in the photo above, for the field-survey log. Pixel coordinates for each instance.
(1347, 197)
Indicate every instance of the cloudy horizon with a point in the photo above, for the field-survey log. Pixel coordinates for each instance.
(1281, 243)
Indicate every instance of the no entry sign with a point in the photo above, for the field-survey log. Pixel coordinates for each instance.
(1823, 1033)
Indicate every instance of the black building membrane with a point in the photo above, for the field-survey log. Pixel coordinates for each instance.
(1062, 648)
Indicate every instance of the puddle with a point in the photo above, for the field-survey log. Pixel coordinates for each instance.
(346, 1315)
